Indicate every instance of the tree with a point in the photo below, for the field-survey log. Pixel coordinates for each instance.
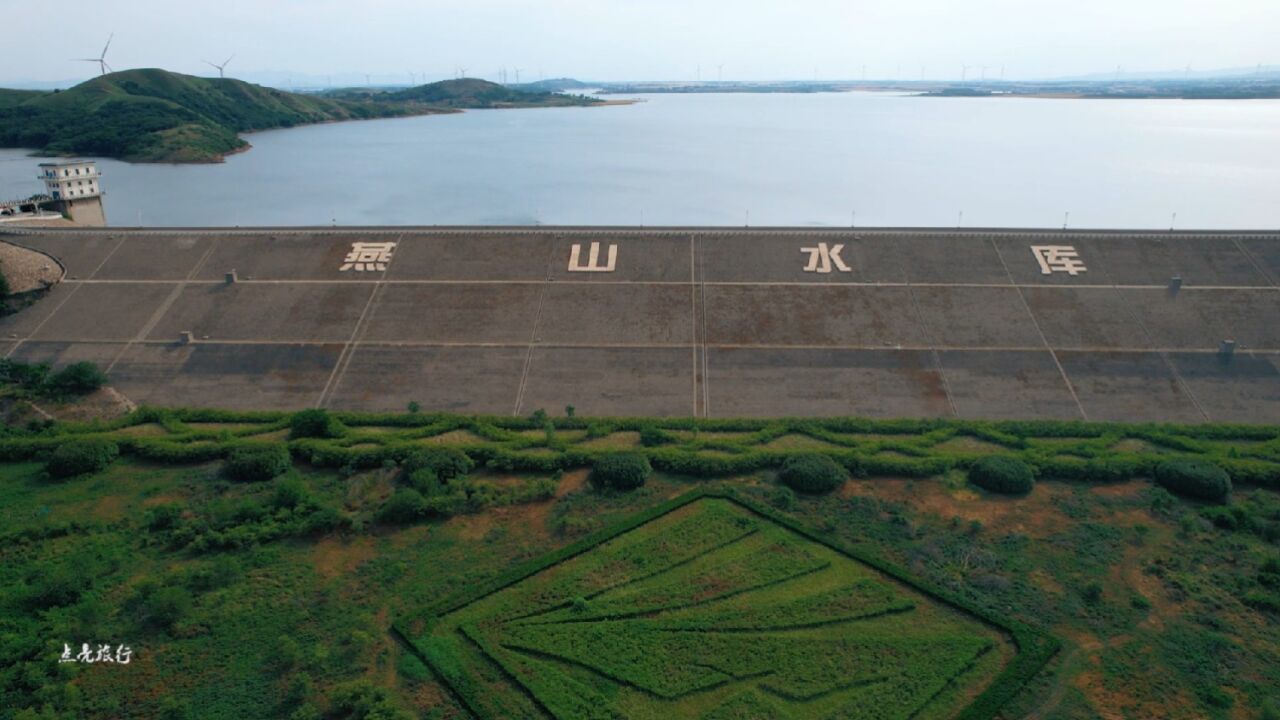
(79, 378)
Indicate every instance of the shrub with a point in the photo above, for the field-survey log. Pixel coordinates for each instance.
(622, 471)
(362, 700)
(78, 457)
(257, 464)
(162, 517)
(651, 436)
(314, 424)
(1002, 474)
(79, 378)
(1197, 479)
(812, 473)
(446, 462)
(289, 493)
(404, 506)
(168, 606)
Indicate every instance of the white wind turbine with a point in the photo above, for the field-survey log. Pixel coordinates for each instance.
(101, 59)
(220, 67)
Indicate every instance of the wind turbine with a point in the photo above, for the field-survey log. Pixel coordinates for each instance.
(220, 67)
(101, 59)
(517, 71)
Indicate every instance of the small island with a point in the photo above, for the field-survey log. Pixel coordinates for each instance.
(153, 115)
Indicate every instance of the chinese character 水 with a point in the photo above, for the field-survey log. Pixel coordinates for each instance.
(822, 257)
(593, 259)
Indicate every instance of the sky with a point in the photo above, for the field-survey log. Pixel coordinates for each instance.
(311, 41)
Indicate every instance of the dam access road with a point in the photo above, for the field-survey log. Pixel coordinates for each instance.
(709, 322)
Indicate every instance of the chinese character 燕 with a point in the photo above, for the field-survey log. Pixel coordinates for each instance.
(1058, 258)
(368, 256)
(822, 257)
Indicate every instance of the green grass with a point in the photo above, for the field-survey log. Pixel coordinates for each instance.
(1166, 607)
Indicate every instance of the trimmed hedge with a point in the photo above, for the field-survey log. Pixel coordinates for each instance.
(812, 473)
(79, 457)
(315, 424)
(1002, 474)
(257, 464)
(622, 471)
(1194, 478)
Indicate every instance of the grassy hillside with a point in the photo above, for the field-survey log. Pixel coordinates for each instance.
(158, 116)
(474, 93)
(9, 98)
(271, 593)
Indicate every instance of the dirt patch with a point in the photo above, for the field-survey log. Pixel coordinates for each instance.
(1119, 490)
(103, 404)
(1033, 515)
(572, 481)
(109, 507)
(454, 437)
(409, 536)
(474, 527)
(968, 444)
(614, 441)
(334, 556)
(163, 499)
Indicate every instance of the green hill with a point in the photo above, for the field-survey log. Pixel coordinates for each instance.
(158, 116)
(474, 93)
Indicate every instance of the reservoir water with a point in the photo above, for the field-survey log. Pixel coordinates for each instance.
(828, 159)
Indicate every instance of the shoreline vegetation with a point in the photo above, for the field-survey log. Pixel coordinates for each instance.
(156, 116)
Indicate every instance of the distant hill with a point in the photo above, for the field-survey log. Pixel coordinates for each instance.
(475, 93)
(9, 98)
(159, 116)
(554, 85)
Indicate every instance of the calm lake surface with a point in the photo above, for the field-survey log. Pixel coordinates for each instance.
(733, 159)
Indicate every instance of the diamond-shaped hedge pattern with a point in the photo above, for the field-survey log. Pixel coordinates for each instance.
(711, 611)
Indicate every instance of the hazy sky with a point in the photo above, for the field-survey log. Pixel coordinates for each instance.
(638, 39)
